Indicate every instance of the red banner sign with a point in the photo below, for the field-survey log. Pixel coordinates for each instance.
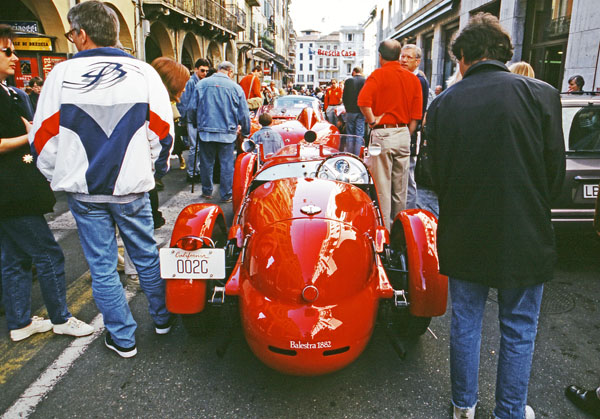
(336, 53)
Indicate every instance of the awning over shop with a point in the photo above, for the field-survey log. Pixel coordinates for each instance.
(429, 13)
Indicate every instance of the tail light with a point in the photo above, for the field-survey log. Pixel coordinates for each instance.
(190, 243)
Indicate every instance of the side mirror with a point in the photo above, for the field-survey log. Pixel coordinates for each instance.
(248, 146)
(374, 150)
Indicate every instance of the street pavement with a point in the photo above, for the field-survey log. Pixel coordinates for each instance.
(179, 375)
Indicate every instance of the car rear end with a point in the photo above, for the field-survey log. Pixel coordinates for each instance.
(574, 207)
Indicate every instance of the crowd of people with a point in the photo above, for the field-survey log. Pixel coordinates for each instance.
(105, 126)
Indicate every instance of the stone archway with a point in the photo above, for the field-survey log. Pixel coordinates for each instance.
(53, 23)
(230, 52)
(160, 38)
(190, 50)
(213, 53)
(124, 32)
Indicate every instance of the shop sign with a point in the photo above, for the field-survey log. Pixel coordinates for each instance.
(32, 44)
(24, 26)
(336, 53)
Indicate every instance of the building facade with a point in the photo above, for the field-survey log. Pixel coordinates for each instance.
(559, 38)
(319, 59)
(183, 30)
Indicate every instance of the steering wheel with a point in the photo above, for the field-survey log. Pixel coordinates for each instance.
(345, 167)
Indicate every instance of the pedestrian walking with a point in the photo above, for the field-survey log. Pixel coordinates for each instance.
(201, 68)
(251, 85)
(496, 140)
(410, 59)
(355, 120)
(391, 101)
(25, 238)
(114, 133)
(222, 113)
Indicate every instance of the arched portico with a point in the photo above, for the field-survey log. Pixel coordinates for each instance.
(213, 53)
(190, 50)
(160, 39)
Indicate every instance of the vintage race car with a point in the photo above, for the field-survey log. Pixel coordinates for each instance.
(293, 115)
(307, 261)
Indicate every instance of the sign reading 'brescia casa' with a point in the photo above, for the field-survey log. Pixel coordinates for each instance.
(336, 53)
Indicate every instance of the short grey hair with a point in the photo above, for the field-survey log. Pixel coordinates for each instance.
(98, 21)
(225, 65)
(418, 51)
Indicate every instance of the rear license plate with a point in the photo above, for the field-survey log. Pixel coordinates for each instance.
(590, 191)
(196, 264)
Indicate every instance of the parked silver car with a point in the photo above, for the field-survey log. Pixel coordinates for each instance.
(581, 126)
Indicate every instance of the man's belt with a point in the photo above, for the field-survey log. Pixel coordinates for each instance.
(389, 126)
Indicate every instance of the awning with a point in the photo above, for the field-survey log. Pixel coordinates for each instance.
(433, 13)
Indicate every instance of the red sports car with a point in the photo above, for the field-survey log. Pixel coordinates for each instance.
(307, 260)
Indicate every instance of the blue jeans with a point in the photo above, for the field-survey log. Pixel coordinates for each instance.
(96, 227)
(191, 152)
(209, 150)
(518, 312)
(24, 240)
(355, 125)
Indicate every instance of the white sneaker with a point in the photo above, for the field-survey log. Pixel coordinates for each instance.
(529, 413)
(468, 413)
(73, 327)
(37, 325)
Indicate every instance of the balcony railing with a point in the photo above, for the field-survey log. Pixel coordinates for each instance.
(208, 10)
(240, 16)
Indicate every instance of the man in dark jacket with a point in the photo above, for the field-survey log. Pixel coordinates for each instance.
(497, 143)
(355, 120)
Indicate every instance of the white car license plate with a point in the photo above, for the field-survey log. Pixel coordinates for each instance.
(176, 263)
(590, 191)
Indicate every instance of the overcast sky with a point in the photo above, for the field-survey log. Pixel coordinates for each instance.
(328, 15)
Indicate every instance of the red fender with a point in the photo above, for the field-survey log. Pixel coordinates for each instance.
(427, 289)
(188, 296)
(245, 166)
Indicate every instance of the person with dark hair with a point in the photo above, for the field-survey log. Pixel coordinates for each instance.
(576, 84)
(102, 133)
(221, 114)
(251, 85)
(270, 139)
(25, 238)
(355, 120)
(391, 101)
(202, 67)
(35, 83)
(498, 154)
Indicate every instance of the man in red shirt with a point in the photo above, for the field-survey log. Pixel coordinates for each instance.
(251, 86)
(333, 98)
(391, 101)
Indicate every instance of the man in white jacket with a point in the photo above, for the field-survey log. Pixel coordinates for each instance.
(103, 129)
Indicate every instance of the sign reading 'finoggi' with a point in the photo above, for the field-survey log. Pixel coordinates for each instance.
(336, 53)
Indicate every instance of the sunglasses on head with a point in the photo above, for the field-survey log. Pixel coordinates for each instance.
(7, 51)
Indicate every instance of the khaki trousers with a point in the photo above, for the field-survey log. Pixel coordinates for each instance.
(390, 170)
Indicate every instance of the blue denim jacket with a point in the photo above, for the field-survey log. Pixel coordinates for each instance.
(186, 96)
(218, 106)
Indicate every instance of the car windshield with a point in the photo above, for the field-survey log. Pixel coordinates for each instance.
(293, 102)
(581, 128)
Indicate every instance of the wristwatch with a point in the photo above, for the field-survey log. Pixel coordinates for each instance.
(371, 124)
